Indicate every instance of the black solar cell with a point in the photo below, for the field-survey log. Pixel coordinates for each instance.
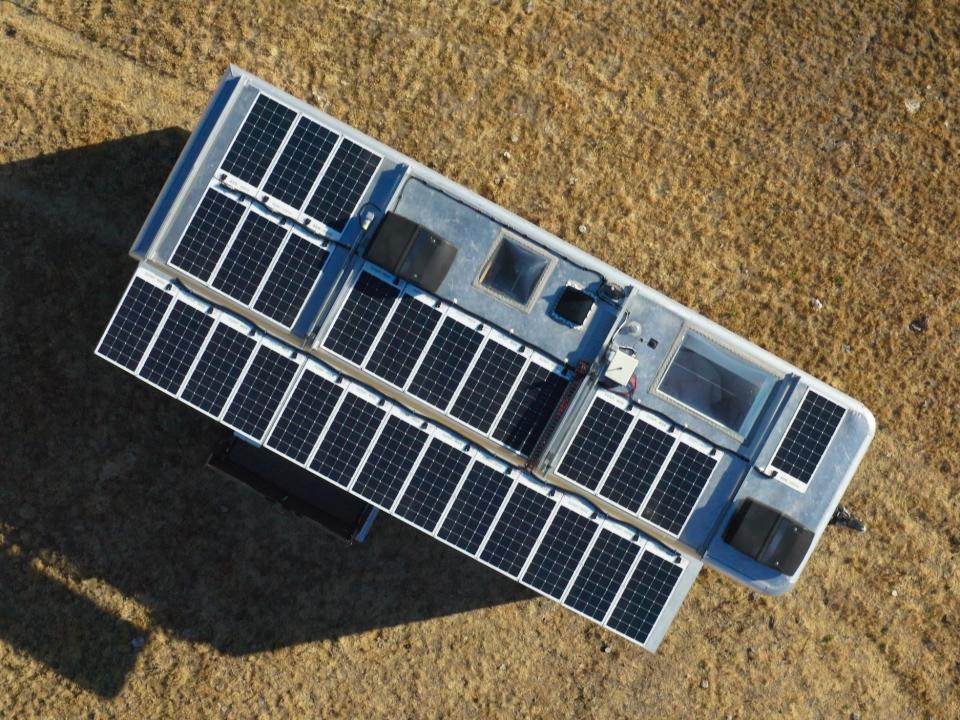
(218, 369)
(390, 461)
(291, 279)
(637, 466)
(644, 596)
(488, 385)
(529, 409)
(679, 487)
(560, 552)
(207, 235)
(602, 574)
(807, 439)
(134, 323)
(248, 258)
(176, 346)
(474, 507)
(517, 529)
(432, 484)
(342, 185)
(300, 162)
(343, 446)
(258, 140)
(595, 444)
(260, 392)
(445, 362)
(403, 340)
(361, 317)
(304, 417)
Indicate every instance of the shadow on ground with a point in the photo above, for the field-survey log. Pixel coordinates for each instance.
(105, 480)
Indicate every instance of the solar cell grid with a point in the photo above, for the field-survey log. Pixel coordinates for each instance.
(207, 235)
(134, 323)
(474, 507)
(403, 340)
(560, 552)
(529, 409)
(517, 529)
(487, 386)
(291, 279)
(300, 162)
(390, 461)
(679, 487)
(644, 596)
(445, 362)
(248, 258)
(602, 574)
(432, 484)
(260, 392)
(258, 140)
(594, 444)
(637, 466)
(808, 437)
(218, 369)
(304, 416)
(176, 346)
(343, 446)
(342, 185)
(361, 318)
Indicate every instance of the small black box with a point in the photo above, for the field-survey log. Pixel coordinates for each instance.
(411, 252)
(769, 537)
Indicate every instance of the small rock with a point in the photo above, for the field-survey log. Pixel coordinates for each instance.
(817, 305)
(607, 649)
(138, 642)
(920, 324)
(705, 684)
(528, 7)
(894, 592)
(912, 104)
(506, 154)
(846, 348)
(514, 138)
(501, 667)
(582, 229)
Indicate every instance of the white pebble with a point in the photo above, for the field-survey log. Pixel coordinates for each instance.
(912, 104)
(817, 305)
(582, 229)
(894, 592)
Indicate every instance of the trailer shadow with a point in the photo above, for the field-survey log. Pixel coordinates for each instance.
(110, 526)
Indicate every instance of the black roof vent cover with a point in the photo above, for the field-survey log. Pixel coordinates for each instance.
(573, 305)
(769, 537)
(410, 251)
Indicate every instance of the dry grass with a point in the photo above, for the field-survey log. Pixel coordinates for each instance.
(744, 161)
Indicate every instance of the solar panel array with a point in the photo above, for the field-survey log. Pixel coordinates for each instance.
(254, 258)
(637, 462)
(299, 166)
(465, 369)
(807, 438)
(346, 434)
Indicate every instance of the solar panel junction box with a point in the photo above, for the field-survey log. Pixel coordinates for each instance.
(769, 537)
(410, 251)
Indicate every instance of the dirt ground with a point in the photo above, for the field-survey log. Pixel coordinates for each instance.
(790, 170)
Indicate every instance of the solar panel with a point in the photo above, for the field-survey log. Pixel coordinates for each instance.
(176, 346)
(346, 442)
(595, 443)
(391, 460)
(559, 552)
(293, 276)
(679, 488)
(342, 185)
(530, 407)
(432, 484)
(248, 257)
(134, 322)
(221, 362)
(517, 529)
(644, 596)
(445, 363)
(474, 507)
(300, 163)
(207, 234)
(258, 140)
(602, 574)
(260, 391)
(304, 416)
(403, 340)
(808, 436)
(637, 466)
(487, 385)
(361, 317)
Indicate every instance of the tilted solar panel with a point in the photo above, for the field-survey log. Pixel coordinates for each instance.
(345, 433)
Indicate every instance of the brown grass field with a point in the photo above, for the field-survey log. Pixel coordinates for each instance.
(744, 160)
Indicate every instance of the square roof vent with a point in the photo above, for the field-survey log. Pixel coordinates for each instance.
(516, 271)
